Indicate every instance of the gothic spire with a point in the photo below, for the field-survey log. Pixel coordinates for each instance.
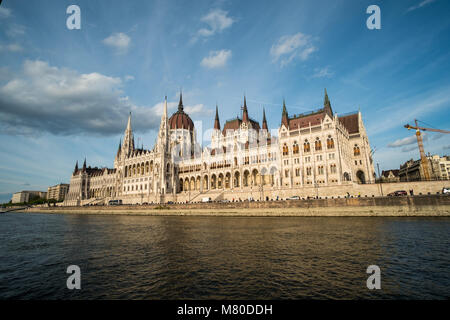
(284, 115)
(180, 104)
(264, 123)
(216, 120)
(163, 134)
(245, 112)
(128, 140)
(119, 149)
(76, 168)
(129, 122)
(165, 106)
(84, 165)
(327, 104)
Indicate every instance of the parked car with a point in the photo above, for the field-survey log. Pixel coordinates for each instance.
(398, 193)
(225, 200)
(445, 190)
(206, 199)
(169, 202)
(293, 198)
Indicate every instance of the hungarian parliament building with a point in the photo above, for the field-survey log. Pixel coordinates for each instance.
(317, 153)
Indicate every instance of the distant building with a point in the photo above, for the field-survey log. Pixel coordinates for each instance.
(412, 170)
(27, 196)
(440, 167)
(58, 192)
(390, 175)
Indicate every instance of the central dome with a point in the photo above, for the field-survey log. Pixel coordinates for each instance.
(180, 119)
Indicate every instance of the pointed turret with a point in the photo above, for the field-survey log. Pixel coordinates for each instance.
(284, 115)
(128, 139)
(264, 122)
(180, 104)
(163, 134)
(327, 104)
(129, 122)
(245, 112)
(165, 106)
(216, 120)
(76, 168)
(119, 150)
(84, 165)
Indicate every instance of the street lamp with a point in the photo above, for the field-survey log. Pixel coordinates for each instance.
(317, 189)
(381, 180)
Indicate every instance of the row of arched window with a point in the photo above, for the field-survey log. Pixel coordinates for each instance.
(307, 146)
(141, 169)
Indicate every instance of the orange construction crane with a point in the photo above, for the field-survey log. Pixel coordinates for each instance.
(423, 157)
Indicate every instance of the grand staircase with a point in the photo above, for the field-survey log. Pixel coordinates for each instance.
(215, 195)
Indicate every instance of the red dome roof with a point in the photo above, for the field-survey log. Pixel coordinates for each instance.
(180, 119)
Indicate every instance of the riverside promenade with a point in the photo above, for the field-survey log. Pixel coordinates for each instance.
(422, 205)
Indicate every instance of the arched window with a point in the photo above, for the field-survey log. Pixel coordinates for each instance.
(320, 170)
(295, 148)
(306, 146)
(318, 145)
(330, 143)
(285, 150)
(333, 168)
(356, 150)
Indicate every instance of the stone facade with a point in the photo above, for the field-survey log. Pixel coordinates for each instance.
(311, 152)
(57, 192)
(27, 196)
(390, 175)
(412, 170)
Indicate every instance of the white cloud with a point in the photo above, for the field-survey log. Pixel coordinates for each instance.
(415, 107)
(129, 78)
(15, 30)
(322, 73)
(173, 105)
(407, 141)
(217, 20)
(61, 101)
(216, 59)
(11, 47)
(420, 5)
(5, 12)
(290, 47)
(409, 148)
(119, 41)
(198, 108)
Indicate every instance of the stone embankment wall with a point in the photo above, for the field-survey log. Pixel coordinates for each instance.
(426, 205)
(268, 193)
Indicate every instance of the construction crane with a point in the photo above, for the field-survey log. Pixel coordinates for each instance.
(423, 157)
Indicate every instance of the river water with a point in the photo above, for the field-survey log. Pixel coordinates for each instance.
(145, 257)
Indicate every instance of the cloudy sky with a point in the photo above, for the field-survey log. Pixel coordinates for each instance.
(65, 94)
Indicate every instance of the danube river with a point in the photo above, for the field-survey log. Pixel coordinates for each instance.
(145, 257)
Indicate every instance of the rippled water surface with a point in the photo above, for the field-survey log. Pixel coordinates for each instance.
(144, 257)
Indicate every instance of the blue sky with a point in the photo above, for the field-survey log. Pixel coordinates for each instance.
(65, 94)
